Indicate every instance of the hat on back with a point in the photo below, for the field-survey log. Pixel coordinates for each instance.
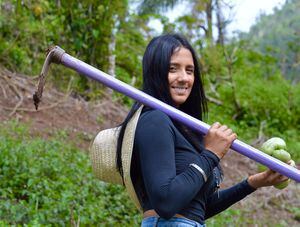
(103, 152)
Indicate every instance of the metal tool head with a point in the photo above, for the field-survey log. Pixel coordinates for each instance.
(54, 54)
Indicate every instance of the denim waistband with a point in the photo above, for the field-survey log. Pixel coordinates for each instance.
(172, 222)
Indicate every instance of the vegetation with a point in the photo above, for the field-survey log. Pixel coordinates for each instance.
(83, 28)
(251, 96)
(281, 39)
(51, 182)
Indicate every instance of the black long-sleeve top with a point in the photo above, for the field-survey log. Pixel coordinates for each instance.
(165, 181)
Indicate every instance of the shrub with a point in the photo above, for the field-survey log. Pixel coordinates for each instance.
(50, 182)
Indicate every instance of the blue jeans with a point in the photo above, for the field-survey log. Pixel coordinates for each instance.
(172, 222)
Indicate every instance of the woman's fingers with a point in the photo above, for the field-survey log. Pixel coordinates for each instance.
(228, 132)
(233, 136)
(266, 178)
(223, 131)
(274, 177)
(283, 178)
(223, 128)
(216, 125)
(280, 177)
(219, 139)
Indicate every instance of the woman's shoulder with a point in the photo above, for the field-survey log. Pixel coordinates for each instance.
(154, 115)
(156, 118)
(155, 123)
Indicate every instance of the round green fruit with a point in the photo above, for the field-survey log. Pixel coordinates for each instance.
(267, 150)
(283, 184)
(292, 163)
(261, 168)
(282, 155)
(272, 144)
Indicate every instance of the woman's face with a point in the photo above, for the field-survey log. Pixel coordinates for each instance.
(181, 75)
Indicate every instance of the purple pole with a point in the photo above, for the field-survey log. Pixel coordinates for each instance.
(115, 84)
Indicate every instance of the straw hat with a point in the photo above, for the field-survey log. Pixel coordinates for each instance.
(103, 156)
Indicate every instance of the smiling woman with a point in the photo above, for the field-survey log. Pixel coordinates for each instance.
(175, 170)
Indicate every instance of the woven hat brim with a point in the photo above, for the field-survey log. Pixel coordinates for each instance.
(127, 148)
(103, 156)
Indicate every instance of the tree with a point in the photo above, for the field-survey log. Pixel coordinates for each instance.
(281, 39)
(200, 16)
(156, 6)
(87, 29)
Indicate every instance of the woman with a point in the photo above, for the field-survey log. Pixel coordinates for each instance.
(175, 170)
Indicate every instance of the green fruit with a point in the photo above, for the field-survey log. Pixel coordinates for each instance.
(267, 150)
(272, 144)
(283, 184)
(261, 168)
(292, 163)
(276, 147)
(282, 155)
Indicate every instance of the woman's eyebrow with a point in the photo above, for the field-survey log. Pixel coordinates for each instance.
(190, 66)
(176, 63)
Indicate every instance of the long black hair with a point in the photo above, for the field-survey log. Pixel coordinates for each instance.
(156, 64)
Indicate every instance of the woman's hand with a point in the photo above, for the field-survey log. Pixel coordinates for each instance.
(218, 139)
(266, 178)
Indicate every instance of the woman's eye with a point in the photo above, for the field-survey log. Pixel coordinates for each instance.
(190, 71)
(172, 69)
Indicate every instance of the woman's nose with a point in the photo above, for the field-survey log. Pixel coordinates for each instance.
(183, 76)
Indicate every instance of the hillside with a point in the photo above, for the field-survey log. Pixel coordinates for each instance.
(81, 120)
(278, 35)
(57, 111)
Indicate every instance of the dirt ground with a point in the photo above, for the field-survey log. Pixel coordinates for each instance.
(81, 121)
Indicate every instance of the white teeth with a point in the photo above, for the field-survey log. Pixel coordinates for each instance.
(183, 88)
(180, 90)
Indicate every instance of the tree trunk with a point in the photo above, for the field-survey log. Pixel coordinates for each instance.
(209, 9)
(112, 54)
(220, 23)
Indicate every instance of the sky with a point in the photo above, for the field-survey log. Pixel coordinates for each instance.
(244, 13)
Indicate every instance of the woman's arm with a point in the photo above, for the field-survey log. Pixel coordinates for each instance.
(227, 197)
(223, 199)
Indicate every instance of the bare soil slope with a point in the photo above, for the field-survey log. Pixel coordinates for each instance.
(81, 121)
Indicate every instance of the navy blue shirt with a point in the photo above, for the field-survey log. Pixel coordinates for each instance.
(165, 181)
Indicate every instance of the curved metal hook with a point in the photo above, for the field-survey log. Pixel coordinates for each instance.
(54, 54)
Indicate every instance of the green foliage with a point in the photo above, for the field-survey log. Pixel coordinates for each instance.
(129, 50)
(295, 211)
(253, 94)
(83, 28)
(50, 183)
(156, 6)
(281, 39)
(230, 217)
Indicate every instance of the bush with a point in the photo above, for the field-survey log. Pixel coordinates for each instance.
(50, 182)
(254, 94)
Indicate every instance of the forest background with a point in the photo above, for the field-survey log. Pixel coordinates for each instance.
(251, 81)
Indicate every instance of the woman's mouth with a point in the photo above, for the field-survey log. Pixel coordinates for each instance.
(180, 90)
